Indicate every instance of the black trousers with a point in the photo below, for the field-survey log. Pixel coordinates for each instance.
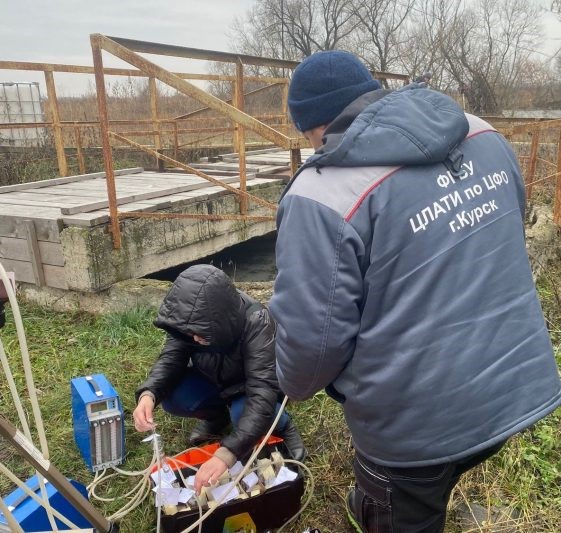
(407, 500)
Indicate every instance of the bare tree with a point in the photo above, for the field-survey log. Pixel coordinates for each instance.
(538, 87)
(478, 47)
(486, 48)
(424, 32)
(379, 36)
(294, 29)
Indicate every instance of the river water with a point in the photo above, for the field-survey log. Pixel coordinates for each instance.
(250, 261)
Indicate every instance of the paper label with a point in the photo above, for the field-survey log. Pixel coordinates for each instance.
(31, 450)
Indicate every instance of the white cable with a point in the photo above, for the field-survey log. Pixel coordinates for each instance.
(98, 474)
(14, 479)
(92, 487)
(140, 491)
(157, 452)
(30, 388)
(13, 390)
(243, 471)
(132, 504)
(310, 493)
(26, 363)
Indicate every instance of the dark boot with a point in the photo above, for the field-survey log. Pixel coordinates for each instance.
(353, 513)
(210, 429)
(293, 441)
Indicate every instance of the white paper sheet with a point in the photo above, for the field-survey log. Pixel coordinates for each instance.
(228, 489)
(285, 474)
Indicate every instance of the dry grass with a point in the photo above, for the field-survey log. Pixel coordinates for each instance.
(525, 476)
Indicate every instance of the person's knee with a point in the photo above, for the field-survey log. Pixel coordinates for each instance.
(169, 406)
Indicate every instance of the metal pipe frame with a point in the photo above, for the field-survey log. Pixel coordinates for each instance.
(118, 48)
(83, 69)
(189, 89)
(58, 125)
(284, 82)
(106, 143)
(195, 171)
(535, 129)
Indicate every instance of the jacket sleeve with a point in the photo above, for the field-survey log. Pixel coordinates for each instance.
(167, 371)
(317, 297)
(261, 386)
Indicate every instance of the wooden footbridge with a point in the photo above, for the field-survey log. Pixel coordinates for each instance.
(56, 233)
(86, 232)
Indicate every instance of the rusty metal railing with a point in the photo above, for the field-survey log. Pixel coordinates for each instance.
(70, 133)
(74, 134)
(128, 51)
(274, 128)
(542, 133)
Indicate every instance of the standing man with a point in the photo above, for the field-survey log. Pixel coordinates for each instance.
(404, 288)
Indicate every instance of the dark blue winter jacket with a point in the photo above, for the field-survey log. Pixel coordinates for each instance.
(404, 285)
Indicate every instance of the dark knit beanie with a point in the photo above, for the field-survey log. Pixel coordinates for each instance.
(324, 84)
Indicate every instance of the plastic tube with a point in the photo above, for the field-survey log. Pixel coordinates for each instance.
(30, 388)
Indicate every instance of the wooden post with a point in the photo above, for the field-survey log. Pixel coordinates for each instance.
(175, 140)
(106, 144)
(295, 160)
(235, 142)
(55, 119)
(557, 202)
(532, 163)
(34, 253)
(154, 112)
(241, 137)
(285, 121)
(79, 151)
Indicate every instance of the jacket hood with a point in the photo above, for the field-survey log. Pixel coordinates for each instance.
(411, 126)
(203, 301)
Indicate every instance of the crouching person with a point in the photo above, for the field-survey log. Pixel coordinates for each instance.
(217, 365)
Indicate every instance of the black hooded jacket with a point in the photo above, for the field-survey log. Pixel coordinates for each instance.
(240, 358)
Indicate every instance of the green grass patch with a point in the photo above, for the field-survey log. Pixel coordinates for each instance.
(524, 476)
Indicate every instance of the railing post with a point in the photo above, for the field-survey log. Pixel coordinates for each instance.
(153, 90)
(55, 118)
(284, 111)
(175, 140)
(557, 202)
(532, 163)
(235, 142)
(106, 144)
(241, 136)
(295, 160)
(79, 151)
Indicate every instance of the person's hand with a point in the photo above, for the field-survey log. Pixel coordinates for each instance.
(143, 415)
(209, 472)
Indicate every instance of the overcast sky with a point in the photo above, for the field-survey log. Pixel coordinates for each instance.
(57, 31)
